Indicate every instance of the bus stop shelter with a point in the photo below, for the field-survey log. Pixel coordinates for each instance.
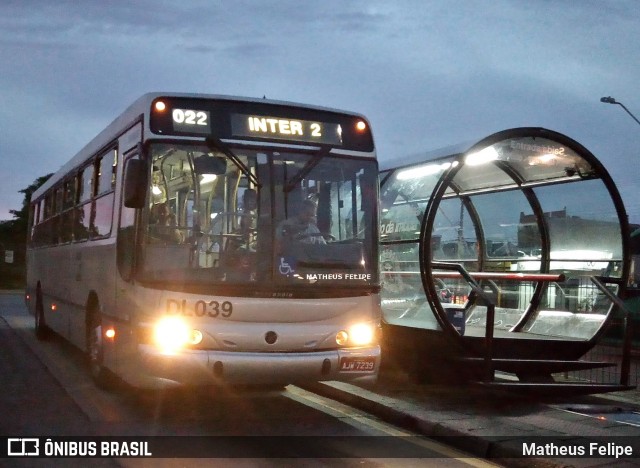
(520, 235)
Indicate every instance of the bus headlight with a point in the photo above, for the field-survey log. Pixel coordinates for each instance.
(342, 337)
(172, 333)
(361, 334)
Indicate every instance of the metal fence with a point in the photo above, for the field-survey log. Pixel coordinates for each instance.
(610, 349)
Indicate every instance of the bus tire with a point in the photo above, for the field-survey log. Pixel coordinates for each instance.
(40, 326)
(95, 350)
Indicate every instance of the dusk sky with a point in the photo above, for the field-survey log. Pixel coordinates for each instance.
(427, 74)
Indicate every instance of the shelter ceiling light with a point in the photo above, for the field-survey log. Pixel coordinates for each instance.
(483, 156)
(421, 171)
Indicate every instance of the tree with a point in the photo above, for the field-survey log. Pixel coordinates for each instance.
(13, 237)
(22, 215)
(13, 233)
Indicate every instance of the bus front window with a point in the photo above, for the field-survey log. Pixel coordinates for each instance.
(258, 217)
(325, 220)
(200, 223)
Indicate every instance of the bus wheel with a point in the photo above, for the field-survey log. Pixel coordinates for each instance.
(95, 352)
(42, 332)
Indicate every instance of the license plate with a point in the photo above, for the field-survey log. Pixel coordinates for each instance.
(357, 364)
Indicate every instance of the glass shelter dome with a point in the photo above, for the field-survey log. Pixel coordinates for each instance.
(524, 229)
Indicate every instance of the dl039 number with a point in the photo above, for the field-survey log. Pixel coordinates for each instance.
(200, 308)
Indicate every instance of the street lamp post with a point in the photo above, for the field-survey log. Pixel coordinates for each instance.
(626, 337)
(610, 100)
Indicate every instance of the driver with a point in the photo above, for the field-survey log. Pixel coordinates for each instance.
(302, 227)
(163, 225)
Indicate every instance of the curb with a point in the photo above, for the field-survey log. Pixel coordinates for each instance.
(499, 449)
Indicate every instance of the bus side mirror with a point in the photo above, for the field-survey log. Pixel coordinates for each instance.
(136, 180)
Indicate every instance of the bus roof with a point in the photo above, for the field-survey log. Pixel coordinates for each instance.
(141, 106)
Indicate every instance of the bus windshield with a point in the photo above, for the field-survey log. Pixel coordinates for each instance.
(259, 217)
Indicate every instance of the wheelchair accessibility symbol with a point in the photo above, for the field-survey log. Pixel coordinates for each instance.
(287, 266)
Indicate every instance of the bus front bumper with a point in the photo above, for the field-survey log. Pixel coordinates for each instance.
(212, 367)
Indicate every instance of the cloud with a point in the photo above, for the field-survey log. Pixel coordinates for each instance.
(426, 73)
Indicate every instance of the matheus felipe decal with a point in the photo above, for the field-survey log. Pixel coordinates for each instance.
(288, 267)
(313, 277)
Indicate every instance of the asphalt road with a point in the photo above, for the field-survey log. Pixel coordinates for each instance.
(45, 392)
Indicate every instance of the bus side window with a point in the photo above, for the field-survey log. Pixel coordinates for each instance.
(106, 175)
(57, 216)
(66, 223)
(102, 209)
(85, 185)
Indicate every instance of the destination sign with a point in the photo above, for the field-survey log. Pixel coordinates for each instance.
(259, 121)
(282, 128)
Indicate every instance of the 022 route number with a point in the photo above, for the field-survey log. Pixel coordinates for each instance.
(190, 117)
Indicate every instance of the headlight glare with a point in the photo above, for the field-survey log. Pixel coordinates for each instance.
(171, 334)
(361, 334)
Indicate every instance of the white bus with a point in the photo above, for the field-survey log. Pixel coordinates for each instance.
(181, 247)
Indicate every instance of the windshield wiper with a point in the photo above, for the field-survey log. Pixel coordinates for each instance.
(302, 173)
(215, 144)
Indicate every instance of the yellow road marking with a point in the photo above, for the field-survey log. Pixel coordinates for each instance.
(334, 408)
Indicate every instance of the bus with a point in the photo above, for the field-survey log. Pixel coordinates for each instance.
(173, 249)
